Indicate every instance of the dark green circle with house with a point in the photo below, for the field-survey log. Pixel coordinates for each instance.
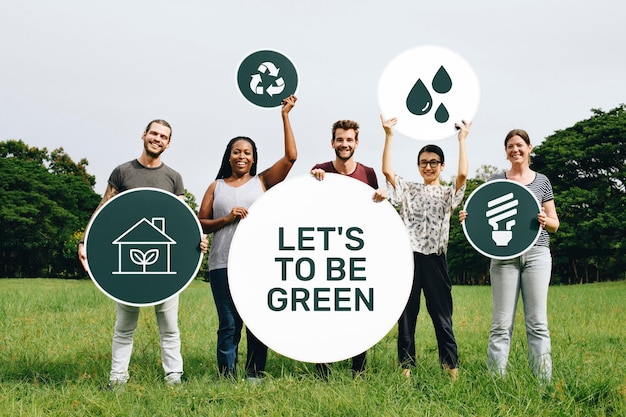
(143, 246)
(501, 219)
(266, 78)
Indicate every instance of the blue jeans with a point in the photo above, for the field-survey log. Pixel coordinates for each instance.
(530, 275)
(229, 331)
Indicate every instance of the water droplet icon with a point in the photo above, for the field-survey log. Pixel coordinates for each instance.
(441, 115)
(442, 83)
(419, 101)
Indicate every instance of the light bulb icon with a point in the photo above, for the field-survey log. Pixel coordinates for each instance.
(501, 209)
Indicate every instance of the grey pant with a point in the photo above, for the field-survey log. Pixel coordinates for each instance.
(125, 325)
(530, 275)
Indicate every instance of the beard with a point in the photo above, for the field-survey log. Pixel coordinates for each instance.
(342, 157)
(151, 153)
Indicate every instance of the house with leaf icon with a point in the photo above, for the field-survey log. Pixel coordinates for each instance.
(145, 248)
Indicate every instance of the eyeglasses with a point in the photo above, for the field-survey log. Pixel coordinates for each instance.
(433, 163)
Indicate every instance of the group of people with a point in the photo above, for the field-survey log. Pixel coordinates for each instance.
(424, 207)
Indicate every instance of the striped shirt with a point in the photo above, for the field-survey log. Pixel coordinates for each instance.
(542, 189)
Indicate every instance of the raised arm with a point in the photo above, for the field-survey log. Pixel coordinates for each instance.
(388, 172)
(277, 172)
(461, 175)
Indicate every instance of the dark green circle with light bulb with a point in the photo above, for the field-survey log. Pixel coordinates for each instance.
(501, 220)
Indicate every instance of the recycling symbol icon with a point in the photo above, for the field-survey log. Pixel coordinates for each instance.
(265, 78)
(256, 82)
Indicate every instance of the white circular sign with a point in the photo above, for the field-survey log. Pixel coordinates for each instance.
(319, 271)
(428, 89)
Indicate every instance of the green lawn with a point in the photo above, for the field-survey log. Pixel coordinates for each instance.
(55, 349)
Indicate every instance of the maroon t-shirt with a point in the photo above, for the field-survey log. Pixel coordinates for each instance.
(362, 173)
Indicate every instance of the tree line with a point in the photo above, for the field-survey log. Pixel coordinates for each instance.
(47, 200)
(586, 164)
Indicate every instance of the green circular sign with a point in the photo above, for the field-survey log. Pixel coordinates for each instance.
(142, 247)
(501, 219)
(266, 78)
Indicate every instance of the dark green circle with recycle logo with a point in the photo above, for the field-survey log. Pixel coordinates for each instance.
(501, 219)
(266, 78)
(142, 247)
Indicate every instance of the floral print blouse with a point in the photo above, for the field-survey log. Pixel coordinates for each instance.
(426, 210)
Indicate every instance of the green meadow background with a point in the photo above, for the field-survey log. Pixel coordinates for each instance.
(55, 351)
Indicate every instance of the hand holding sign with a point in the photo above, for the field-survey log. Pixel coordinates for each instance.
(501, 220)
(142, 247)
(428, 89)
(266, 78)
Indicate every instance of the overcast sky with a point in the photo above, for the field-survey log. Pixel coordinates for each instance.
(87, 76)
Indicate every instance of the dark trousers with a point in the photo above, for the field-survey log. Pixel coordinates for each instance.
(256, 356)
(229, 331)
(358, 366)
(431, 276)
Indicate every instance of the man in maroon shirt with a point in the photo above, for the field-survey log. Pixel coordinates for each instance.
(345, 140)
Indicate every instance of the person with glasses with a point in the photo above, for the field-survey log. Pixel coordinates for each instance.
(425, 209)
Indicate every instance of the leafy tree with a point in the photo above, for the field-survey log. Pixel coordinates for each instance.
(487, 171)
(466, 265)
(19, 150)
(190, 199)
(587, 166)
(60, 163)
(46, 200)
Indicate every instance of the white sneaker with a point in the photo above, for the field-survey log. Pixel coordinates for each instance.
(118, 385)
(173, 378)
(255, 380)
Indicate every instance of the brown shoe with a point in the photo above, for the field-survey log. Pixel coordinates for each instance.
(452, 372)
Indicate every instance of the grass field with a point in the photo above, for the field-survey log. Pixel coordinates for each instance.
(55, 351)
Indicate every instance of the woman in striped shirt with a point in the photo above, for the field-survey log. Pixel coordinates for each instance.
(528, 273)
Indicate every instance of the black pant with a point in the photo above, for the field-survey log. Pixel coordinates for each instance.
(256, 356)
(358, 366)
(431, 276)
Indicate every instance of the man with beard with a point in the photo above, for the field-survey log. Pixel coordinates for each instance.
(146, 171)
(345, 140)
